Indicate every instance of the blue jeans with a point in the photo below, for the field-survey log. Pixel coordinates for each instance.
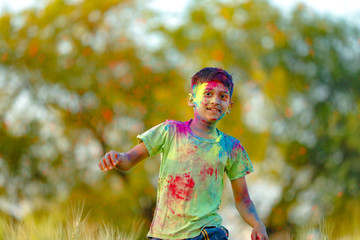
(209, 233)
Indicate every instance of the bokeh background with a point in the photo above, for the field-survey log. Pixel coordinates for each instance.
(79, 78)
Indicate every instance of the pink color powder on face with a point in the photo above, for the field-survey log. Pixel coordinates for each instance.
(213, 84)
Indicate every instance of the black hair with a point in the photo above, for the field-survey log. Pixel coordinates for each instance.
(209, 74)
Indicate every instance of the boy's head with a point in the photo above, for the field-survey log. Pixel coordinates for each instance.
(209, 74)
(211, 94)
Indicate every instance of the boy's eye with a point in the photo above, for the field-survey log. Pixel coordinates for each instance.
(207, 94)
(223, 96)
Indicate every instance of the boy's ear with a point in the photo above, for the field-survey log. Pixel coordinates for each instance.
(229, 107)
(190, 100)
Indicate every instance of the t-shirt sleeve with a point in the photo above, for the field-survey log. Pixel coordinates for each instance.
(239, 163)
(155, 138)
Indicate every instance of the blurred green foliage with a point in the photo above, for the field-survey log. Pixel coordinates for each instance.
(81, 78)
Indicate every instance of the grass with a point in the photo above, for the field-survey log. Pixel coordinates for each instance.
(56, 227)
(323, 231)
(343, 226)
(75, 226)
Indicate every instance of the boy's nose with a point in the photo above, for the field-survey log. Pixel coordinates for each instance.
(215, 100)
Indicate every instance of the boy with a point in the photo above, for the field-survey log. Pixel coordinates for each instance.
(194, 157)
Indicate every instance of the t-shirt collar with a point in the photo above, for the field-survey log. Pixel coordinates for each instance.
(212, 140)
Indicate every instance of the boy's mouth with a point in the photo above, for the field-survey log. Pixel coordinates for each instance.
(214, 109)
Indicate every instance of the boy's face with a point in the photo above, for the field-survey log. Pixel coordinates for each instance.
(211, 101)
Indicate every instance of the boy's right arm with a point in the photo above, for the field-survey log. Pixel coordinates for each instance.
(123, 161)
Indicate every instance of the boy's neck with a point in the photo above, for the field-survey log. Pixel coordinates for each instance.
(203, 129)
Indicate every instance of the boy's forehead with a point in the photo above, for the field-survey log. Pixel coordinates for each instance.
(210, 85)
(215, 84)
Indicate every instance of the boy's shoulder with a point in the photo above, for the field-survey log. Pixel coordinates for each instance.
(176, 124)
(171, 126)
(231, 141)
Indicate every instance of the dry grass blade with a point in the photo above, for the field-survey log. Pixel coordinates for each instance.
(14, 230)
(325, 230)
(321, 232)
(74, 231)
(108, 232)
(75, 227)
(135, 232)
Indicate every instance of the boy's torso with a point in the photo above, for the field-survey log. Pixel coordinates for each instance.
(190, 180)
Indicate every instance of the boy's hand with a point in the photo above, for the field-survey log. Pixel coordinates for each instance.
(109, 161)
(259, 233)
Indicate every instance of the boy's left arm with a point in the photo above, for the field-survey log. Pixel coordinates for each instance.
(247, 209)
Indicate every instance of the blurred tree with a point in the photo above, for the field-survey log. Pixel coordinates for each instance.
(74, 85)
(298, 85)
(79, 79)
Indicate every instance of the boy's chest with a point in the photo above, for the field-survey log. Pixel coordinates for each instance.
(201, 159)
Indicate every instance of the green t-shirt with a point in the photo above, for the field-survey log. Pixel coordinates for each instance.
(191, 177)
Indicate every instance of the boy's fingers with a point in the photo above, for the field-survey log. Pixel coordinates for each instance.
(101, 166)
(262, 237)
(112, 159)
(253, 236)
(104, 165)
(108, 161)
(105, 161)
(116, 158)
